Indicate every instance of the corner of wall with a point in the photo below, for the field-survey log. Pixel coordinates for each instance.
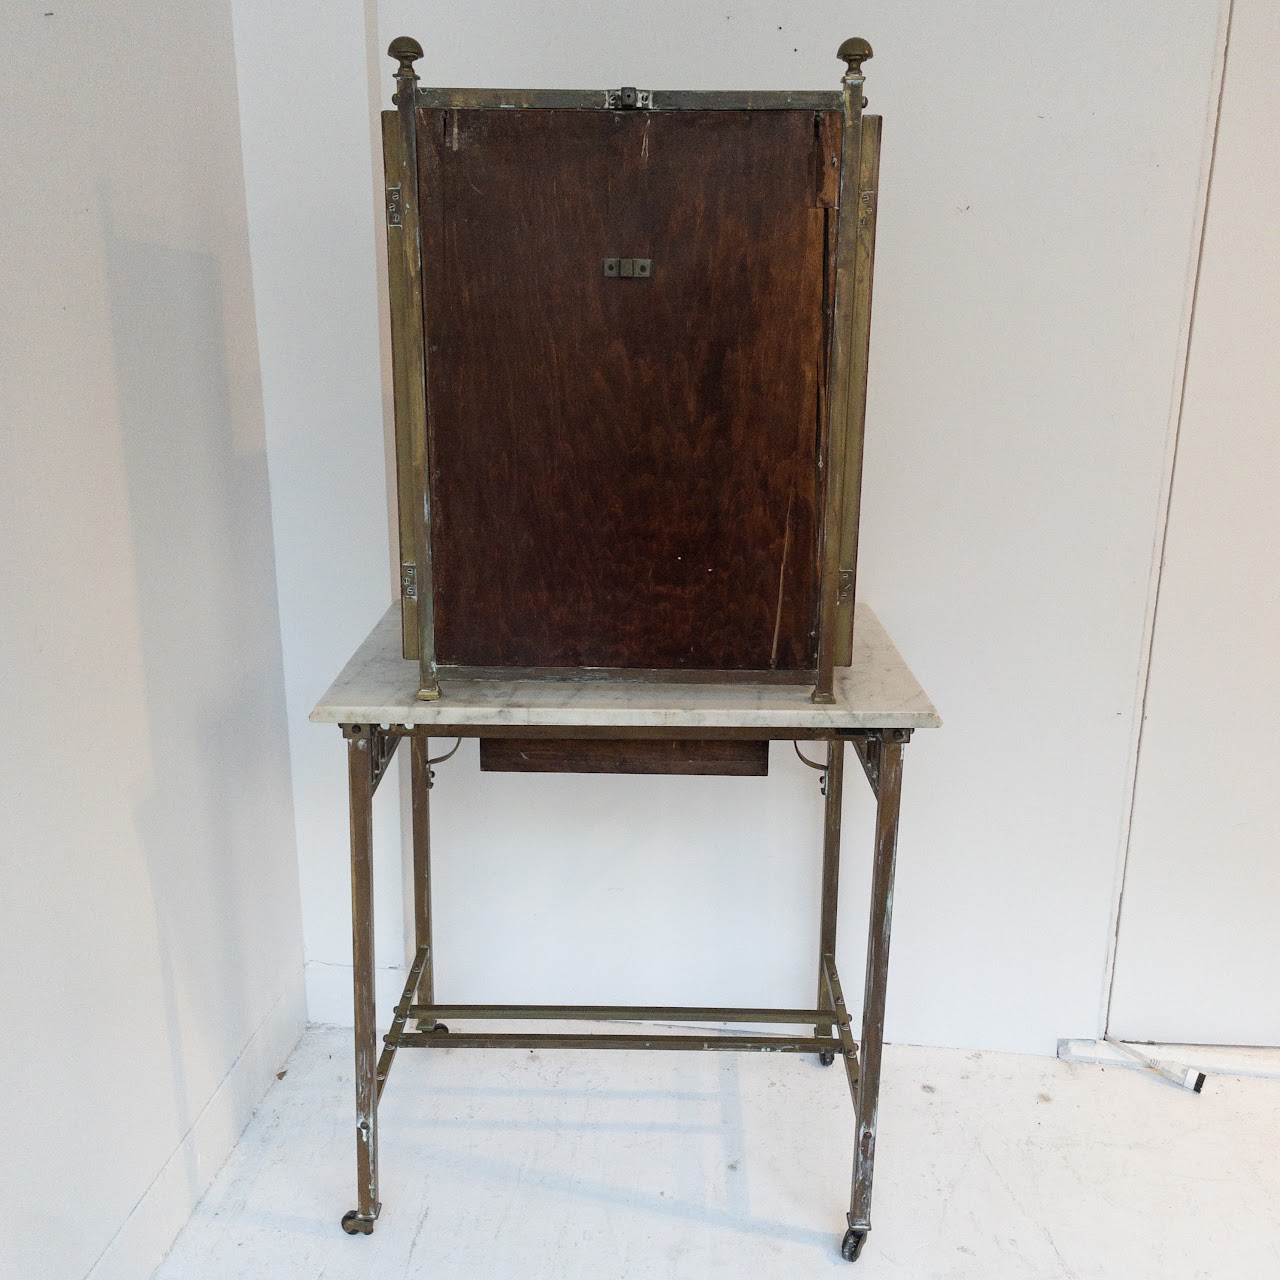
(149, 1231)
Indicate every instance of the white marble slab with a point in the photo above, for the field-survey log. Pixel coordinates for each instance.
(877, 692)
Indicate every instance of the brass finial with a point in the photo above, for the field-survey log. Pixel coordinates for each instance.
(406, 50)
(854, 52)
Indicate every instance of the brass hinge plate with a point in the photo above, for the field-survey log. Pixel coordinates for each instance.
(409, 581)
(628, 268)
(844, 588)
(395, 207)
(628, 99)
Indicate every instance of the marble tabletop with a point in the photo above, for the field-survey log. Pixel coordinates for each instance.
(878, 691)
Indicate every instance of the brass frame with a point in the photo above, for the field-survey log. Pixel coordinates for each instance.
(370, 749)
(849, 329)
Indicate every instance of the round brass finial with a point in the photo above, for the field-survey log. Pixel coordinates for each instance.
(854, 52)
(406, 50)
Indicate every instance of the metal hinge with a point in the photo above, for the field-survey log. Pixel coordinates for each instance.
(628, 99)
(844, 587)
(395, 207)
(866, 210)
(409, 581)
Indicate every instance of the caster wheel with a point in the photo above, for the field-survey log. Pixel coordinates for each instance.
(353, 1224)
(826, 1058)
(441, 1028)
(851, 1245)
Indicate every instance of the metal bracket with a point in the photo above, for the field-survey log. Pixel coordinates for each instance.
(379, 743)
(844, 587)
(628, 99)
(409, 581)
(395, 206)
(628, 268)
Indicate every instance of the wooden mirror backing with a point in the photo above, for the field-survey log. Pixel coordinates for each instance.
(629, 348)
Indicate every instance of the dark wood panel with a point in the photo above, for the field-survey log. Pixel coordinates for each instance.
(625, 472)
(574, 755)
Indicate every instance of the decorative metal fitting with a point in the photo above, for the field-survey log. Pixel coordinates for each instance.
(854, 52)
(628, 99)
(628, 268)
(406, 51)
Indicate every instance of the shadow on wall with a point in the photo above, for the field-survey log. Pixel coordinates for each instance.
(216, 827)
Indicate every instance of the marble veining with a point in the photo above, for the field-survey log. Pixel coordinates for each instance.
(877, 691)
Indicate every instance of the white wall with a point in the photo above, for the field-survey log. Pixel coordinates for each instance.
(310, 189)
(1198, 953)
(1039, 194)
(149, 923)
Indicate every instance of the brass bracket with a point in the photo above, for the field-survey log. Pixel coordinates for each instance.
(378, 742)
(628, 268)
(844, 588)
(395, 206)
(409, 581)
(628, 99)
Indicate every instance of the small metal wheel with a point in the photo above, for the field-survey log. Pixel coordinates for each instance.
(441, 1028)
(354, 1224)
(826, 1058)
(851, 1245)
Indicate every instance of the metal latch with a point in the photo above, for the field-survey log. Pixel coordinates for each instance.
(628, 268)
(628, 99)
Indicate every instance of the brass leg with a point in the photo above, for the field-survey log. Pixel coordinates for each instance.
(421, 803)
(360, 777)
(833, 784)
(888, 797)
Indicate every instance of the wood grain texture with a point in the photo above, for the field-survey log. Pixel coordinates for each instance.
(625, 473)
(586, 755)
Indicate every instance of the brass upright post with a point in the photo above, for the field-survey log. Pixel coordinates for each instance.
(421, 805)
(868, 195)
(840, 387)
(409, 360)
(834, 787)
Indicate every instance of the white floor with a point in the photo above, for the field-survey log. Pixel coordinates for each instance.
(501, 1164)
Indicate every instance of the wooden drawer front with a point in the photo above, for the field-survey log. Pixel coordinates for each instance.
(596, 755)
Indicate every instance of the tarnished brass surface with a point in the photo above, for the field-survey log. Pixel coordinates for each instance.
(420, 804)
(879, 926)
(409, 364)
(360, 782)
(835, 996)
(853, 52)
(659, 99)
(401, 260)
(841, 387)
(613, 1013)
(833, 792)
(851, 509)
(548, 1040)
(370, 747)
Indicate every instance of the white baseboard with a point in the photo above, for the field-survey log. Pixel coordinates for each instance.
(329, 992)
(151, 1228)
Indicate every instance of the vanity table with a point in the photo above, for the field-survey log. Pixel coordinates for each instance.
(878, 705)
(630, 332)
